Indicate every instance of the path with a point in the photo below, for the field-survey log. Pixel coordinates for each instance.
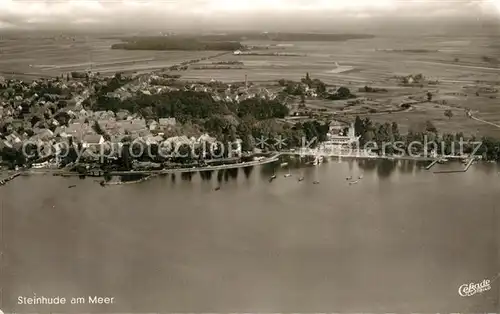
(487, 122)
(457, 65)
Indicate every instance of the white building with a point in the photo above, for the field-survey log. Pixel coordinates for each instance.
(235, 149)
(92, 140)
(339, 141)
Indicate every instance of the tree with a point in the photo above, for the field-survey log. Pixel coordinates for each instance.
(98, 129)
(430, 127)
(63, 118)
(302, 101)
(359, 128)
(448, 113)
(395, 131)
(35, 120)
(429, 96)
(290, 88)
(321, 88)
(344, 93)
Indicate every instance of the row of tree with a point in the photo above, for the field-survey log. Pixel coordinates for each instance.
(176, 43)
(427, 134)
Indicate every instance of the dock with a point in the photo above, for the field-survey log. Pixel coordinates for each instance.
(9, 178)
(429, 166)
(467, 166)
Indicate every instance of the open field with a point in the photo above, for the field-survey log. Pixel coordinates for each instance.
(49, 57)
(463, 66)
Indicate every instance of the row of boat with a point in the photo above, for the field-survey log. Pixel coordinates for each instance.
(288, 175)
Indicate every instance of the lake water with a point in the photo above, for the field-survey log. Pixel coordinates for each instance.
(401, 240)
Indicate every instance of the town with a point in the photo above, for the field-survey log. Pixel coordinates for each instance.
(87, 122)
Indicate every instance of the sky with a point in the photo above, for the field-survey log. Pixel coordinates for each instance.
(172, 13)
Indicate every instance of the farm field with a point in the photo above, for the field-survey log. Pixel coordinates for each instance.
(49, 57)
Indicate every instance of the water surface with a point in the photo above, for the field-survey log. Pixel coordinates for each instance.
(401, 240)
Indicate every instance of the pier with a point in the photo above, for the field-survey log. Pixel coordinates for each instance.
(9, 178)
(429, 166)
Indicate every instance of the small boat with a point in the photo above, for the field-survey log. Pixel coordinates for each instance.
(71, 186)
(353, 182)
(288, 175)
(284, 164)
(301, 179)
(360, 177)
(348, 178)
(316, 182)
(272, 178)
(318, 160)
(217, 188)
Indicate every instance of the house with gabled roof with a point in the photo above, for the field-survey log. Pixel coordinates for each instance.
(92, 140)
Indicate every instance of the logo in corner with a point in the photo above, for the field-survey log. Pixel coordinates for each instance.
(470, 289)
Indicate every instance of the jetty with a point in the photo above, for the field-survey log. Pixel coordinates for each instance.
(467, 166)
(429, 166)
(9, 178)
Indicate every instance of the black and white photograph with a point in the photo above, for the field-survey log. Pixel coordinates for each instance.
(249, 156)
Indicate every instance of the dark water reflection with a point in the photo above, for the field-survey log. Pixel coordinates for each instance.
(385, 168)
(248, 171)
(400, 240)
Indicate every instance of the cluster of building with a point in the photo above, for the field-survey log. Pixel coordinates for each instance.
(30, 114)
(50, 113)
(341, 135)
(156, 84)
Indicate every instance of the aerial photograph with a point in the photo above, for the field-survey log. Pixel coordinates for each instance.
(249, 156)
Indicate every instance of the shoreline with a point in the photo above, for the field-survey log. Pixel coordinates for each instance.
(64, 173)
(274, 158)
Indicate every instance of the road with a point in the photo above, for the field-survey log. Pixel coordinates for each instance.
(483, 121)
(457, 65)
